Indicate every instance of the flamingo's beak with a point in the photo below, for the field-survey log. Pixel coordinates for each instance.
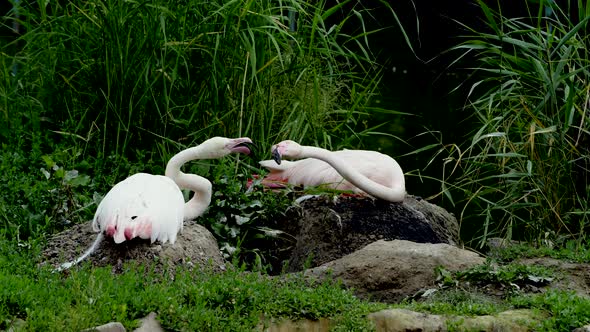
(242, 145)
(276, 155)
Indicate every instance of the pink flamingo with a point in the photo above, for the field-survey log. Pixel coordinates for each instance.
(362, 171)
(152, 206)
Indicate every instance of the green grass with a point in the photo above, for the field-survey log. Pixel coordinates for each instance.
(459, 302)
(188, 300)
(564, 310)
(509, 275)
(236, 300)
(567, 310)
(572, 251)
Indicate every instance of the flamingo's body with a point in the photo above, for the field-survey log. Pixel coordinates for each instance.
(143, 205)
(152, 206)
(362, 171)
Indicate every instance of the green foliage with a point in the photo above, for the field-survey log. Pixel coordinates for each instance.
(507, 275)
(568, 310)
(187, 301)
(40, 195)
(118, 75)
(242, 216)
(523, 174)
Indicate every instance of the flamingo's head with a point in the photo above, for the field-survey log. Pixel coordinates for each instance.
(287, 150)
(217, 147)
(120, 228)
(114, 230)
(239, 145)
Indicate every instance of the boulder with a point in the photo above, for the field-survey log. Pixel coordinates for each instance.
(389, 271)
(327, 228)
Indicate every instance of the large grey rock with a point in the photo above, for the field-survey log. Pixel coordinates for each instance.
(195, 246)
(401, 320)
(326, 229)
(389, 271)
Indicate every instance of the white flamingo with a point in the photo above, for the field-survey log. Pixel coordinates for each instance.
(152, 206)
(362, 171)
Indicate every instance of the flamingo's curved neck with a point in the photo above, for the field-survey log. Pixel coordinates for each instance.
(395, 194)
(201, 186)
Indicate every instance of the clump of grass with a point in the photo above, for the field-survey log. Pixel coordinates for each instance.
(524, 173)
(571, 251)
(459, 302)
(510, 274)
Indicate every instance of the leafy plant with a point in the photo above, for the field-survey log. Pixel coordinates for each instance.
(524, 172)
(40, 195)
(242, 216)
(510, 275)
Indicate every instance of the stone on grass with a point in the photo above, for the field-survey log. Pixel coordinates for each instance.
(149, 324)
(401, 320)
(108, 327)
(388, 271)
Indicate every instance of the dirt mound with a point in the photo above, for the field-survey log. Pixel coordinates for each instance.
(195, 246)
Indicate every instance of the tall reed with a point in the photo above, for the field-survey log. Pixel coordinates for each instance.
(116, 76)
(524, 173)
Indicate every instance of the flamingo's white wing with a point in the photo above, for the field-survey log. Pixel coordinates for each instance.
(144, 205)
